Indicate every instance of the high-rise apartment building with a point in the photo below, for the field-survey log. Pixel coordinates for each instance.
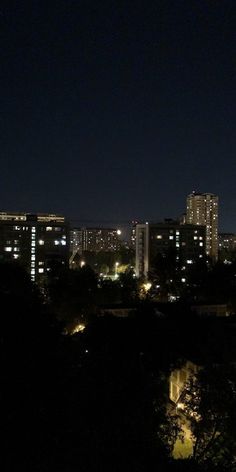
(37, 242)
(202, 209)
(186, 241)
(95, 239)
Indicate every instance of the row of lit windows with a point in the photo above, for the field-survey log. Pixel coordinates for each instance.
(47, 228)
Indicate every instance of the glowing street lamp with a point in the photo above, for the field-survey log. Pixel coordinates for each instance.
(116, 267)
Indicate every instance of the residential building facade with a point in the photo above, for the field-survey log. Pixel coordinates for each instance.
(95, 239)
(38, 242)
(202, 209)
(187, 241)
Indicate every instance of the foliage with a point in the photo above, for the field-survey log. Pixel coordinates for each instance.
(73, 293)
(210, 405)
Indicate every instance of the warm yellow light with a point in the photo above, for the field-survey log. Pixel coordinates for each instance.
(82, 264)
(79, 328)
(180, 406)
(147, 286)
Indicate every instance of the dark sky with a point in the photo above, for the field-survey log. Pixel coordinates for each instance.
(116, 110)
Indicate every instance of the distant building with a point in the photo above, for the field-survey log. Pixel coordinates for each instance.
(227, 242)
(95, 239)
(211, 310)
(37, 242)
(76, 240)
(202, 209)
(133, 234)
(188, 241)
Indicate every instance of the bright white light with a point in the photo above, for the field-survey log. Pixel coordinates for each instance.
(82, 264)
(41, 271)
(8, 249)
(183, 280)
(56, 242)
(41, 242)
(118, 232)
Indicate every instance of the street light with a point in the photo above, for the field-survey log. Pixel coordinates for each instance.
(116, 266)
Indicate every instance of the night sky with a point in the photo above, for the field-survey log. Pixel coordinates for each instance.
(116, 110)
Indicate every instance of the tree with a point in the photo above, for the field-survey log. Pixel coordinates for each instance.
(129, 287)
(165, 275)
(74, 293)
(210, 406)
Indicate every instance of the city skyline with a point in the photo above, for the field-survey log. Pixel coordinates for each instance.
(114, 113)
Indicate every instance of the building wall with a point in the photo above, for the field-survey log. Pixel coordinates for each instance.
(179, 378)
(95, 239)
(202, 209)
(142, 250)
(37, 242)
(187, 242)
(227, 241)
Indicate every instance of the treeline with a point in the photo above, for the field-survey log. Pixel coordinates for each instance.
(97, 401)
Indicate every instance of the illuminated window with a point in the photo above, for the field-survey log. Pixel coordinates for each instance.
(171, 237)
(56, 242)
(8, 249)
(16, 228)
(15, 256)
(41, 263)
(195, 237)
(200, 244)
(63, 242)
(33, 243)
(48, 228)
(41, 271)
(16, 249)
(159, 236)
(41, 242)
(33, 258)
(32, 271)
(189, 261)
